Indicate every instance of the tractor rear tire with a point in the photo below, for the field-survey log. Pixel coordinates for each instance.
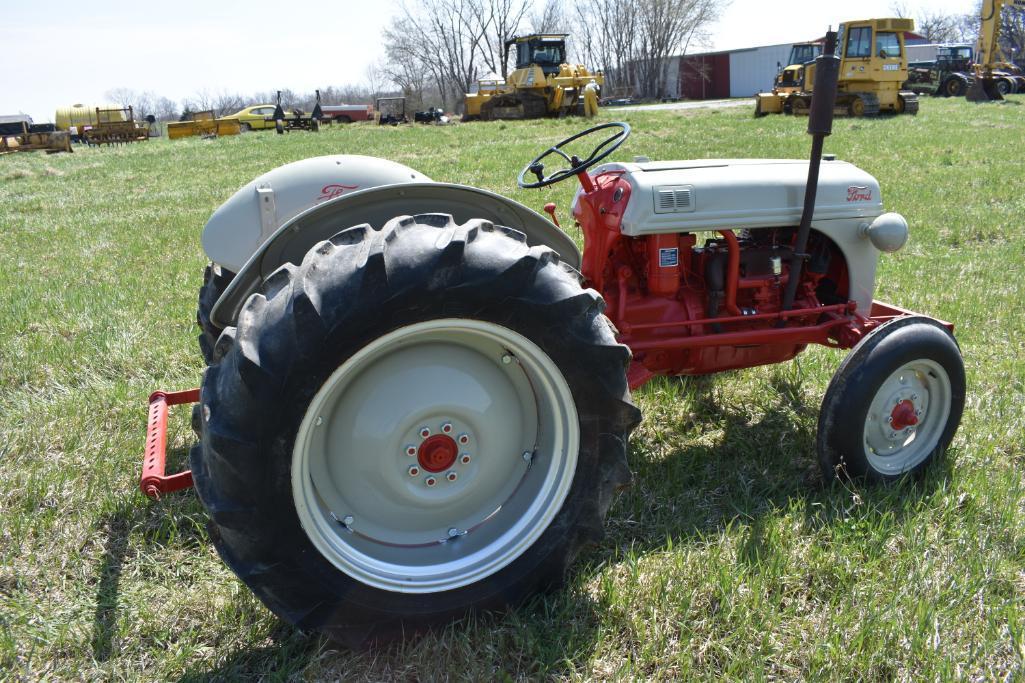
(894, 404)
(954, 86)
(215, 280)
(328, 426)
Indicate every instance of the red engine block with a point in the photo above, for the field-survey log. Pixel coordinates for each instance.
(685, 308)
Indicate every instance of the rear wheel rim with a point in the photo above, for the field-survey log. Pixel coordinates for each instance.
(385, 501)
(892, 446)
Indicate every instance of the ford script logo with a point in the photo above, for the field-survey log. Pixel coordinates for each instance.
(335, 190)
(859, 193)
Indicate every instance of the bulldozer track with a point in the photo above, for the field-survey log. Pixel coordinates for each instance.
(910, 102)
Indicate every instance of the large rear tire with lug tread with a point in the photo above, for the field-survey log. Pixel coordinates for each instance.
(894, 404)
(215, 280)
(416, 422)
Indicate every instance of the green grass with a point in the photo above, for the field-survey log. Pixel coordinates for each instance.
(727, 558)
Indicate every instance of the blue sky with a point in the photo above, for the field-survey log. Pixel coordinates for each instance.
(58, 52)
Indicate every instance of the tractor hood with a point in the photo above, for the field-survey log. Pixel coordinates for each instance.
(675, 196)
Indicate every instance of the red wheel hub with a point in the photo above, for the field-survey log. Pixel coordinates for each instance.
(437, 453)
(903, 415)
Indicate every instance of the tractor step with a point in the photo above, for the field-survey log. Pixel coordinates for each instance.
(154, 480)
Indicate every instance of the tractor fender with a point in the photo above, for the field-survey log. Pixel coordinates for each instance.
(376, 206)
(255, 212)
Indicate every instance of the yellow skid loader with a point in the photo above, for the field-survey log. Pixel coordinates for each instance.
(543, 84)
(873, 68)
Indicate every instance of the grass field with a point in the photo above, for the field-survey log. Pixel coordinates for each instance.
(727, 558)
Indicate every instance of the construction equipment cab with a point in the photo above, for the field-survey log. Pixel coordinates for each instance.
(873, 69)
(546, 52)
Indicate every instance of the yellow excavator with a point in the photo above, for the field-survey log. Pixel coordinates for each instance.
(873, 67)
(543, 84)
(993, 73)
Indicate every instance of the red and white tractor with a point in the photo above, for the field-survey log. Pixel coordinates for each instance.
(417, 395)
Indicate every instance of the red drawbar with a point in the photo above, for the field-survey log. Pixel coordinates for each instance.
(154, 481)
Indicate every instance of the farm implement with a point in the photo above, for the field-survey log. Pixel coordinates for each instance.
(417, 394)
(115, 127)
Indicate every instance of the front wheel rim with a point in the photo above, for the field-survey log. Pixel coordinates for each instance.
(907, 417)
(435, 456)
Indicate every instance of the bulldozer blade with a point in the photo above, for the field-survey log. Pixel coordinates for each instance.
(983, 90)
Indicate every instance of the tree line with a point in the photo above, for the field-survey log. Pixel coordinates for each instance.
(434, 51)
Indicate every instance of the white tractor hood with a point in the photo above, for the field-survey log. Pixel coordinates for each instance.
(711, 194)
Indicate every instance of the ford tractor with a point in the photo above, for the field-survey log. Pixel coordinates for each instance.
(417, 395)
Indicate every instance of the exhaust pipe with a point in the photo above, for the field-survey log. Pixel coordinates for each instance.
(820, 125)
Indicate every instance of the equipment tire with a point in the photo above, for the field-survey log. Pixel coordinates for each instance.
(244, 127)
(1003, 86)
(357, 330)
(908, 364)
(215, 280)
(955, 86)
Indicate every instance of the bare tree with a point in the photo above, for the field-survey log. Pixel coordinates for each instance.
(165, 109)
(124, 97)
(453, 33)
(1012, 35)
(406, 67)
(609, 42)
(937, 27)
(500, 20)
(666, 27)
(548, 18)
(227, 103)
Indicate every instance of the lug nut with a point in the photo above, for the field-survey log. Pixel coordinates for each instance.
(410, 450)
(464, 439)
(506, 359)
(893, 435)
(889, 419)
(414, 471)
(918, 413)
(430, 481)
(425, 432)
(451, 476)
(914, 397)
(447, 427)
(465, 459)
(349, 519)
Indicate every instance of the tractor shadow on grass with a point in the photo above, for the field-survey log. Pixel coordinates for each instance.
(717, 465)
(698, 470)
(173, 521)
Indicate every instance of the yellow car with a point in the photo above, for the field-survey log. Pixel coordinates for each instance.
(256, 117)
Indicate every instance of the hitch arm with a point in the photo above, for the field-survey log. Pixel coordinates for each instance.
(154, 480)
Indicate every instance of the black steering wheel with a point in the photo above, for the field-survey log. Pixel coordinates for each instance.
(604, 148)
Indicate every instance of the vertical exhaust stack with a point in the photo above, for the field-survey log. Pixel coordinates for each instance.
(820, 124)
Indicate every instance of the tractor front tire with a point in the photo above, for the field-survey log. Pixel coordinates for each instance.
(215, 280)
(894, 404)
(415, 423)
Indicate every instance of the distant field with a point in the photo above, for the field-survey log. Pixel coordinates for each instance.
(726, 559)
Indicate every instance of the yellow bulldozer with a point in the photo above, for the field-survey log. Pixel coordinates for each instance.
(874, 65)
(543, 84)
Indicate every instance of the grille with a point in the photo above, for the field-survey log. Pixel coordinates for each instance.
(674, 199)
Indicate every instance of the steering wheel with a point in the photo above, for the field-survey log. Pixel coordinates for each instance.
(604, 148)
